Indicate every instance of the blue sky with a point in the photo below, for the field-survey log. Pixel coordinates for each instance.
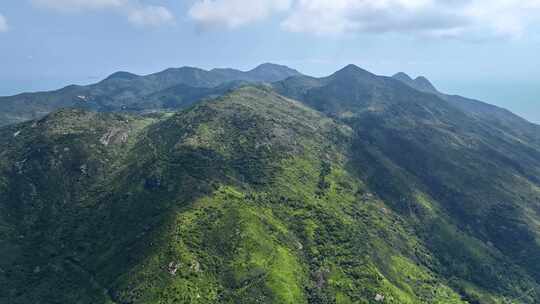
(486, 49)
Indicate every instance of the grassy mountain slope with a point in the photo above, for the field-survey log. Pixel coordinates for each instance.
(257, 198)
(483, 180)
(123, 91)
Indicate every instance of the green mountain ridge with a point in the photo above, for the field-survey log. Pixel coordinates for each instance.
(123, 91)
(502, 118)
(353, 188)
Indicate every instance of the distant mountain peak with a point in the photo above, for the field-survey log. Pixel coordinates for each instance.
(122, 75)
(270, 65)
(422, 79)
(274, 67)
(353, 68)
(273, 72)
(224, 70)
(403, 77)
(425, 85)
(354, 72)
(420, 83)
(182, 69)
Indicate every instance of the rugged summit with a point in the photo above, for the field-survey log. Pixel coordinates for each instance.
(421, 83)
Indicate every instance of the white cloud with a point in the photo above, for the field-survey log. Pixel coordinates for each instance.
(150, 16)
(443, 18)
(235, 13)
(136, 13)
(463, 19)
(3, 24)
(79, 5)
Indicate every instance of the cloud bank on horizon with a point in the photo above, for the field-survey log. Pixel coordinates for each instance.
(461, 19)
(138, 14)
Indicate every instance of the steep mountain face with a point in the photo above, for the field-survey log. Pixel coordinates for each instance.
(123, 91)
(353, 188)
(504, 120)
(475, 172)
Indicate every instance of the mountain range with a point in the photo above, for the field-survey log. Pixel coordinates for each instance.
(267, 186)
(122, 91)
